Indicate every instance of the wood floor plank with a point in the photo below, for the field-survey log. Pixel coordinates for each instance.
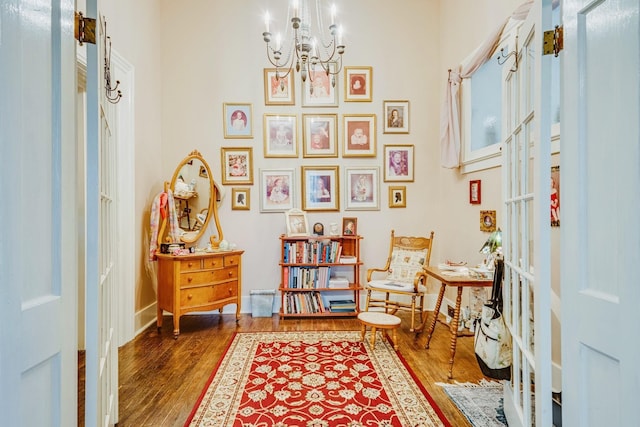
(161, 378)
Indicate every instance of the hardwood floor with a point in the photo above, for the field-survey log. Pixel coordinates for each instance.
(161, 378)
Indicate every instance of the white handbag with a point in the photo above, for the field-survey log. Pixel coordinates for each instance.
(492, 342)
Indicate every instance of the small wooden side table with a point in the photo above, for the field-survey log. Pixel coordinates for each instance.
(460, 282)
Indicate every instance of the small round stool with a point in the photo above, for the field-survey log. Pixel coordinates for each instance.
(377, 320)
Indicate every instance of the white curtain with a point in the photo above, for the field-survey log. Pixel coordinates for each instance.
(450, 117)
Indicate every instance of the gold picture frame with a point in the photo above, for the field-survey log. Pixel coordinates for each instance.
(320, 188)
(241, 199)
(278, 90)
(358, 84)
(280, 135)
(488, 221)
(237, 165)
(359, 138)
(398, 197)
(238, 120)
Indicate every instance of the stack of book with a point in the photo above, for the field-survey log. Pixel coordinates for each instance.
(342, 306)
(338, 282)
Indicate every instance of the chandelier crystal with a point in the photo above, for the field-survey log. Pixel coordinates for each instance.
(310, 51)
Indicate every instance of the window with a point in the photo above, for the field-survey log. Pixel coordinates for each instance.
(481, 108)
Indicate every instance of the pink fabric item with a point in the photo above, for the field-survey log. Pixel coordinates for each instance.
(450, 139)
(158, 211)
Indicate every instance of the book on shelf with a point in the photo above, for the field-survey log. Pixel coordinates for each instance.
(346, 303)
(338, 282)
(347, 259)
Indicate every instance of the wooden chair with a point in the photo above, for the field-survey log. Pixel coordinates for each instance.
(402, 278)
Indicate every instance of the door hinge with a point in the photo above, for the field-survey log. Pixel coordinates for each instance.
(553, 41)
(85, 29)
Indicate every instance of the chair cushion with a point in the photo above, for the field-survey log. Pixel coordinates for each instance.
(394, 286)
(379, 318)
(405, 263)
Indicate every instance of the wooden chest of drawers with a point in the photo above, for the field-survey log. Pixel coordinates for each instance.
(198, 282)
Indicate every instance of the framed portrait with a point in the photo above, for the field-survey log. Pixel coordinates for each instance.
(237, 165)
(397, 197)
(555, 196)
(349, 226)
(358, 84)
(203, 172)
(280, 135)
(240, 200)
(278, 90)
(475, 195)
(320, 135)
(297, 223)
(396, 116)
(238, 120)
(320, 188)
(359, 135)
(398, 163)
(277, 190)
(362, 191)
(487, 220)
(320, 89)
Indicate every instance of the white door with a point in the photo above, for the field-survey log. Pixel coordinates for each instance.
(526, 157)
(38, 252)
(101, 387)
(600, 164)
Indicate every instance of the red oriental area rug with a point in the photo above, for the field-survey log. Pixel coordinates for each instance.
(312, 379)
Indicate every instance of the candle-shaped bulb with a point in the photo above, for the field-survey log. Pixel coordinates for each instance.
(266, 21)
(340, 36)
(295, 8)
(333, 14)
(278, 41)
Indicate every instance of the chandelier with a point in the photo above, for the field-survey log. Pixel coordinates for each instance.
(310, 52)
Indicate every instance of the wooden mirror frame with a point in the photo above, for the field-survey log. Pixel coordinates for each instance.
(213, 198)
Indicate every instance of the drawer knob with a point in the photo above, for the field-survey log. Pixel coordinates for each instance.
(189, 296)
(190, 264)
(231, 274)
(189, 279)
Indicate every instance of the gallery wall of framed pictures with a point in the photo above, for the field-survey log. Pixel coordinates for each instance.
(291, 126)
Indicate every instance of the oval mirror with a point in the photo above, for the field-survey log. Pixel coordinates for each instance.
(195, 196)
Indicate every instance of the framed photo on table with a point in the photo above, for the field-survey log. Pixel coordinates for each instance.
(320, 188)
(237, 165)
(277, 190)
(280, 135)
(238, 120)
(320, 89)
(398, 163)
(349, 226)
(396, 116)
(362, 190)
(359, 135)
(297, 223)
(320, 135)
(278, 90)
(358, 84)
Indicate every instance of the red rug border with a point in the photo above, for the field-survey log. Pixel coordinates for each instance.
(211, 377)
(422, 388)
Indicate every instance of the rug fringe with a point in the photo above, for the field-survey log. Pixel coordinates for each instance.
(482, 383)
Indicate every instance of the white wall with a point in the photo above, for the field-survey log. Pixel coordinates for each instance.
(193, 56)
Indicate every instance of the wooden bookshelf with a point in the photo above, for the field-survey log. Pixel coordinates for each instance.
(315, 270)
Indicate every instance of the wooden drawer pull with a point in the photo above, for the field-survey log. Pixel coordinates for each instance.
(190, 264)
(231, 274)
(190, 296)
(189, 279)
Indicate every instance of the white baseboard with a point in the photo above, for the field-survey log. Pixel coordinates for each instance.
(147, 316)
